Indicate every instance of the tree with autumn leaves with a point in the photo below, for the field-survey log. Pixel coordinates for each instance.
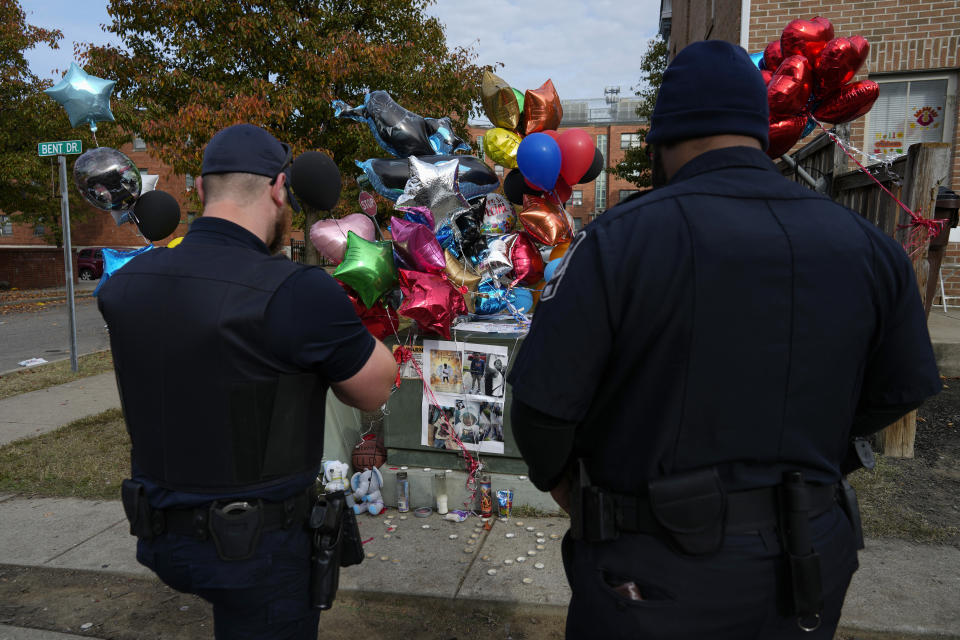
(29, 192)
(186, 69)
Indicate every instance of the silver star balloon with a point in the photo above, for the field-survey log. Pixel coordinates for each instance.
(435, 187)
(86, 98)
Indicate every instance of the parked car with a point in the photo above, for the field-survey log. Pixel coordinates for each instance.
(90, 263)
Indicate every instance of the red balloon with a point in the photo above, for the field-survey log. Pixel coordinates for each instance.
(772, 56)
(848, 103)
(784, 134)
(790, 87)
(431, 301)
(527, 261)
(563, 190)
(767, 76)
(576, 154)
(553, 133)
(839, 62)
(806, 38)
(380, 320)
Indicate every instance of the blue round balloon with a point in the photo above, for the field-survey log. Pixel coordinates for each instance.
(538, 158)
(521, 298)
(757, 59)
(551, 269)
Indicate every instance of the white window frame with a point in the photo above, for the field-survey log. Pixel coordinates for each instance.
(576, 198)
(6, 226)
(635, 140)
(950, 108)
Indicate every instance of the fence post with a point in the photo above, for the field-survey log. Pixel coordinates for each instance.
(928, 164)
(310, 253)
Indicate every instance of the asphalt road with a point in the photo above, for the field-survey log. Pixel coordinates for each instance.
(45, 334)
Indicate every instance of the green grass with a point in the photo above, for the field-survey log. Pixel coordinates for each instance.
(84, 459)
(886, 512)
(54, 373)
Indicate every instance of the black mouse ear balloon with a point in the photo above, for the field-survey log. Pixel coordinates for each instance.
(595, 168)
(315, 179)
(157, 214)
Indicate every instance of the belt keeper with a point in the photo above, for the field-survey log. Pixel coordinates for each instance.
(289, 507)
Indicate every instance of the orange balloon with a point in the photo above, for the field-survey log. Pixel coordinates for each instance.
(541, 109)
(536, 291)
(544, 221)
(559, 250)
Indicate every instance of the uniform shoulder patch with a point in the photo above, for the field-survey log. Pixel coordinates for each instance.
(551, 289)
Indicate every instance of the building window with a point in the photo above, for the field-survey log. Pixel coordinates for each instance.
(600, 184)
(497, 169)
(139, 144)
(480, 152)
(576, 199)
(6, 227)
(39, 230)
(189, 181)
(577, 224)
(630, 140)
(191, 216)
(910, 109)
(626, 193)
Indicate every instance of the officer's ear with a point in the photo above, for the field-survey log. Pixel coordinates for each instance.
(278, 192)
(198, 184)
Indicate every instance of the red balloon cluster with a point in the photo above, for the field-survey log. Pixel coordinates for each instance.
(807, 72)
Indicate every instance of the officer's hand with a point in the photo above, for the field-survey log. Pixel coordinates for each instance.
(561, 494)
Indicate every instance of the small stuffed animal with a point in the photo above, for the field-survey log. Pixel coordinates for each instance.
(335, 475)
(366, 491)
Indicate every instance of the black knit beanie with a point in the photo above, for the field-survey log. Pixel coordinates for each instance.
(711, 88)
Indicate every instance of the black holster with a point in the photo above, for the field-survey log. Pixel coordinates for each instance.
(144, 522)
(336, 543)
(851, 507)
(803, 563)
(592, 511)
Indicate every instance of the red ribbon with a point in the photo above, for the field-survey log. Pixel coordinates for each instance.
(918, 224)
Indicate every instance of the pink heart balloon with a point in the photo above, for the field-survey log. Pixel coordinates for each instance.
(330, 236)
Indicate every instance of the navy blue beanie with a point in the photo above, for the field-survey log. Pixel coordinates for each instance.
(711, 88)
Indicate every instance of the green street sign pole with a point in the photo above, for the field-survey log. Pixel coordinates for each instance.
(68, 261)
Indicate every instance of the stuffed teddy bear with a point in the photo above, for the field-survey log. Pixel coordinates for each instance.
(335, 475)
(366, 491)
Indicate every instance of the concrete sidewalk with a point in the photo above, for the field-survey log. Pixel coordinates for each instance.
(901, 588)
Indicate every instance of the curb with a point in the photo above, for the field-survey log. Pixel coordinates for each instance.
(56, 299)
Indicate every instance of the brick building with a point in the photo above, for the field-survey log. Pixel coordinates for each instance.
(613, 123)
(914, 57)
(28, 260)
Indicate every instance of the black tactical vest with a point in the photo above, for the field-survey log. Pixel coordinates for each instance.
(208, 407)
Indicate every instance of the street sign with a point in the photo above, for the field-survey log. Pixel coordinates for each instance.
(66, 147)
(368, 204)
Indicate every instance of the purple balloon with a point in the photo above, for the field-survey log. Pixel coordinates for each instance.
(330, 236)
(417, 245)
(538, 158)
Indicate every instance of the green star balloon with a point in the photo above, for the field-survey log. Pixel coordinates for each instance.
(367, 267)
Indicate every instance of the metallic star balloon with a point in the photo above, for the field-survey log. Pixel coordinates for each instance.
(114, 259)
(367, 267)
(460, 276)
(431, 301)
(86, 98)
(435, 187)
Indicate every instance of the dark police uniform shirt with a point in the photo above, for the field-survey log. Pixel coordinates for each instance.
(310, 323)
(732, 318)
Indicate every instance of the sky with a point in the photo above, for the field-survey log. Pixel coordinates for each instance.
(582, 45)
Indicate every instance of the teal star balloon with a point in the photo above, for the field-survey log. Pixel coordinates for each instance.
(367, 267)
(86, 98)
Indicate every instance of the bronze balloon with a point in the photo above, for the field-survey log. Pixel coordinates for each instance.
(541, 109)
(460, 276)
(544, 221)
(499, 101)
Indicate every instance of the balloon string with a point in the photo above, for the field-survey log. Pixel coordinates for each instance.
(921, 229)
(563, 211)
(94, 133)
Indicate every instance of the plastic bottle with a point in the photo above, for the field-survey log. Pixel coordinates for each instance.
(403, 492)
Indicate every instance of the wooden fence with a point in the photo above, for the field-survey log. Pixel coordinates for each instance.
(914, 179)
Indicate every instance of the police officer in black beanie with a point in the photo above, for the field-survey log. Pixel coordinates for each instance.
(744, 329)
(224, 354)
